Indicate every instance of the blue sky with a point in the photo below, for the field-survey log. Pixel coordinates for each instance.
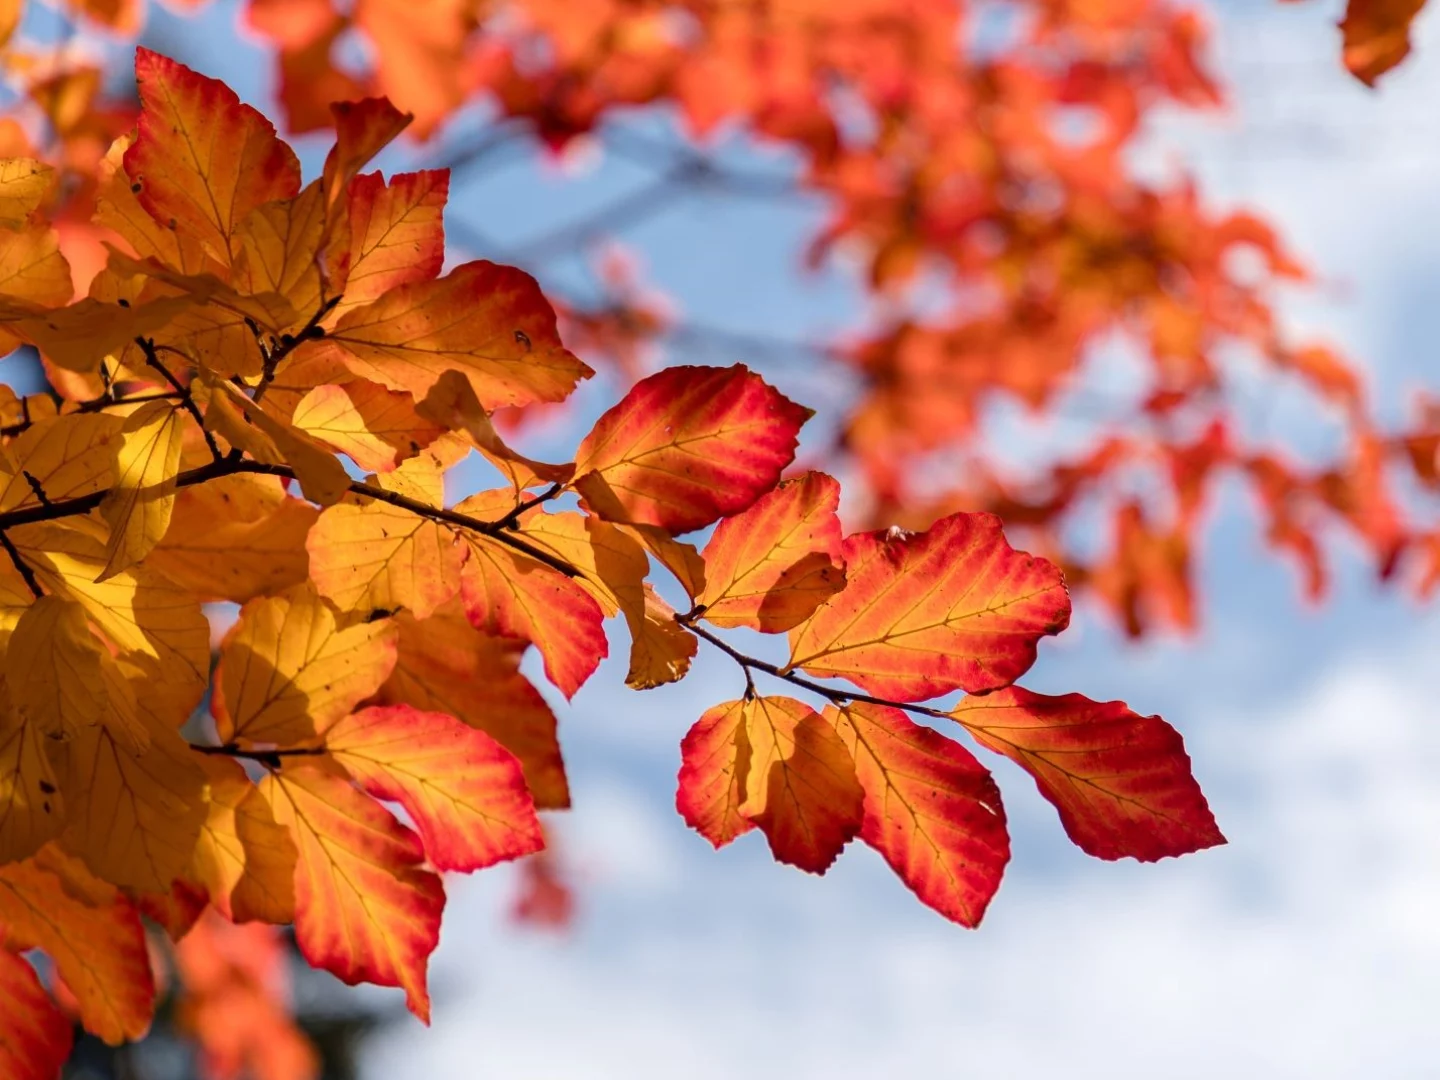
(1308, 947)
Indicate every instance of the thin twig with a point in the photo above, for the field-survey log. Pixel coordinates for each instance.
(187, 400)
(271, 759)
(837, 695)
(287, 344)
(22, 566)
(512, 519)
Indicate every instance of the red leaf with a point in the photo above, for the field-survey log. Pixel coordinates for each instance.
(931, 809)
(1121, 781)
(34, 1034)
(686, 446)
(924, 614)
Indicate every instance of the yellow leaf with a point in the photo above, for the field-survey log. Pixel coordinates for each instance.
(380, 557)
(396, 233)
(68, 456)
(32, 809)
(280, 244)
(287, 672)
(377, 428)
(226, 542)
(24, 182)
(322, 478)
(32, 268)
(452, 404)
(157, 628)
(244, 858)
(142, 499)
(133, 818)
(53, 669)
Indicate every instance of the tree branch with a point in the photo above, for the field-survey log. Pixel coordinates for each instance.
(834, 694)
(187, 400)
(22, 566)
(271, 759)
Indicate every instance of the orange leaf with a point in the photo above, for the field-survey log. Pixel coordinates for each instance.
(202, 159)
(923, 614)
(465, 792)
(378, 557)
(445, 665)
(489, 322)
(287, 671)
(91, 933)
(1121, 781)
(801, 788)
(1377, 35)
(24, 183)
(511, 594)
(362, 129)
(245, 860)
(377, 428)
(714, 762)
(32, 809)
(686, 446)
(365, 911)
(397, 234)
(771, 566)
(931, 809)
(34, 1035)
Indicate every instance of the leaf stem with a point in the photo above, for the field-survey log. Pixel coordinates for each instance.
(835, 694)
(187, 400)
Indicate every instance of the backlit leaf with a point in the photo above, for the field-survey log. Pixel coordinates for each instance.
(365, 910)
(202, 159)
(34, 1035)
(931, 809)
(24, 182)
(397, 233)
(377, 428)
(32, 808)
(771, 566)
(714, 765)
(245, 859)
(287, 672)
(1121, 781)
(380, 557)
(1377, 35)
(923, 614)
(92, 934)
(686, 446)
(142, 498)
(465, 792)
(489, 322)
(445, 665)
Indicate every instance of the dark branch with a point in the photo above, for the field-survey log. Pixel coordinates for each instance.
(837, 695)
(277, 351)
(22, 566)
(271, 759)
(152, 357)
(512, 519)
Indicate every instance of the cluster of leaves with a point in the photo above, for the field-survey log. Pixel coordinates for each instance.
(247, 331)
(1000, 174)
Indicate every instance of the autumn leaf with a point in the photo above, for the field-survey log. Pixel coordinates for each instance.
(1377, 35)
(288, 672)
(377, 428)
(203, 160)
(244, 858)
(142, 498)
(92, 934)
(380, 557)
(34, 1035)
(515, 596)
(798, 782)
(24, 182)
(465, 792)
(714, 765)
(397, 234)
(362, 129)
(1121, 781)
(923, 614)
(69, 456)
(281, 250)
(365, 911)
(53, 670)
(771, 566)
(32, 808)
(445, 665)
(931, 809)
(132, 815)
(488, 322)
(686, 446)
